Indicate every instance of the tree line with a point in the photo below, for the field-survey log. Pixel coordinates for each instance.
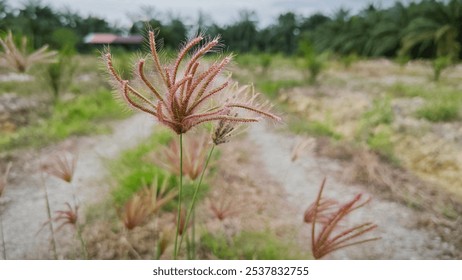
(423, 29)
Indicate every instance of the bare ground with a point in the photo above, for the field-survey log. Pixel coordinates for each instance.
(398, 227)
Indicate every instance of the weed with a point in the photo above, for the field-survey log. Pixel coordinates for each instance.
(314, 128)
(439, 111)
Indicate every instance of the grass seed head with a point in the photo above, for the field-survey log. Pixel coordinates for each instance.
(330, 238)
(63, 167)
(182, 93)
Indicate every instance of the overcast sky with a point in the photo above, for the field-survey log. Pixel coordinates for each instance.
(221, 11)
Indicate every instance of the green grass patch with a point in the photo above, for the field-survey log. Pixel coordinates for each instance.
(374, 128)
(79, 116)
(272, 88)
(132, 171)
(439, 111)
(381, 142)
(249, 246)
(314, 128)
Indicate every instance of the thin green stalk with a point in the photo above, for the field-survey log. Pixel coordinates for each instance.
(193, 234)
(3, 236)
(50, 224)
(83, 245)
(196, 190)
(180, 194)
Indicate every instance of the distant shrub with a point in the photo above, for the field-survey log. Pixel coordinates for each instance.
(439, 64)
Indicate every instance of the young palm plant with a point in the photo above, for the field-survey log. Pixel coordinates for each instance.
(182, 94)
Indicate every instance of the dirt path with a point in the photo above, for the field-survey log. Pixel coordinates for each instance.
(401, 237)
(24, 203)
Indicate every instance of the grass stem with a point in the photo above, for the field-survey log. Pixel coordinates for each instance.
(196, 191)
(180, 194)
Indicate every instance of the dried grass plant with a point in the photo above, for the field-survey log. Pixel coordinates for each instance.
(331, 237)
(18, 58)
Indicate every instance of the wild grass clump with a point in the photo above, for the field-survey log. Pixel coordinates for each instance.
(18, 58)
(439, 111)
(314, 128)
(247, 246)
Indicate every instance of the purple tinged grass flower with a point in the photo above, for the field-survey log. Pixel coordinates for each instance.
(183, 94)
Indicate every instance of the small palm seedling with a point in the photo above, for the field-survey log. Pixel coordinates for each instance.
(3, 183)
(329, 238)
(18, 58)
(182, 94)
(439, 64)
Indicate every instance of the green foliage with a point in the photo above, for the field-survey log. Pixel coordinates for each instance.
(131, 170)
(439, 111)
(265, 62)
(380, 113)
(314, 62)
(439, 64)
(64, 39)
(314, 128)
(374, 127)
(348, 60)
(134, 170)
(380, 141)
(59, 75)
(273, 87)
(79, 116)
(249, 246)
(402, 60)
(405, 90)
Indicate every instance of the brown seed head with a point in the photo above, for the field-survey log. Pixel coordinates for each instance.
(135, 212)
(67, 217)
(329, 238)
(63, 167)
(182, 93)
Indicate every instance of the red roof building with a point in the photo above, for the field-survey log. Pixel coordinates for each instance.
(108, 39)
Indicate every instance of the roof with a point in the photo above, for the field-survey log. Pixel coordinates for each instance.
(108, 38)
